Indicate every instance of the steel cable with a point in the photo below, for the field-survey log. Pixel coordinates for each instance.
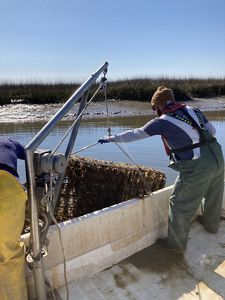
(77, 119)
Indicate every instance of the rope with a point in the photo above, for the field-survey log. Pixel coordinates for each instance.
(59, 233)
(104, 87)
(49, 285)
(63, 252)
(77, 119)
(48, 202)
(109, 129)
(84, 148)
(127, 155)
(47, 199)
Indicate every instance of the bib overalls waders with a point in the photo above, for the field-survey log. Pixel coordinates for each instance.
(12, 216)
(199, 178)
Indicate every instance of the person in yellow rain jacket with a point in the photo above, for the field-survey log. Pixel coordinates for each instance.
(12, 216)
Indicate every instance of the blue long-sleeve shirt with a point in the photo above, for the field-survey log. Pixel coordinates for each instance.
(10, 151)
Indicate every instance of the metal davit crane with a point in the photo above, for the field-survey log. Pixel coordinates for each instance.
(45, 171)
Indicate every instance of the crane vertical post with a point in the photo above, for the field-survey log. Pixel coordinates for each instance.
(37, 237)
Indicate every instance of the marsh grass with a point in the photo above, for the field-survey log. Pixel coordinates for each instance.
(36, 93)
(136, 89)
(184, 89)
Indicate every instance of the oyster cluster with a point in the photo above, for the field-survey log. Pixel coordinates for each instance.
(92, 184)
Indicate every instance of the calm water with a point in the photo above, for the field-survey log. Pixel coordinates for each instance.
(148, 152)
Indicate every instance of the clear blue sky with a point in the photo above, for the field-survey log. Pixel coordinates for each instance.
(69, 39)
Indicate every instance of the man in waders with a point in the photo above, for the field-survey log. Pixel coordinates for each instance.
(194, 152)
(12, 216)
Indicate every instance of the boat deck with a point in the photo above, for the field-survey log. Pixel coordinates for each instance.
(155, 273)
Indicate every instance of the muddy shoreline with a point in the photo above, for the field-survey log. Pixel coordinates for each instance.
(17, 113)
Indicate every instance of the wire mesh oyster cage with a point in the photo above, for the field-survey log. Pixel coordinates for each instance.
(92, 184)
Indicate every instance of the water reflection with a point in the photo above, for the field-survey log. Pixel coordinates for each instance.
(148, 152)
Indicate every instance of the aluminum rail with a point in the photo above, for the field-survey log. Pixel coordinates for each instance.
(80, 93)
(43, 133)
